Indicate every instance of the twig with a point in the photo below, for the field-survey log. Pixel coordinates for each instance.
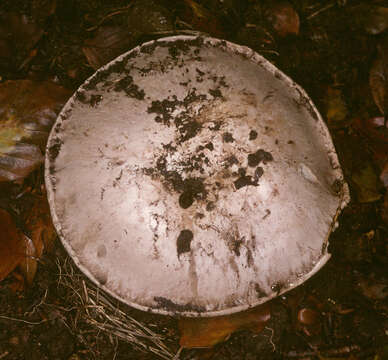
(271, 338)
(96, 309)
(327, 7)
(176, 357)
(21, 320)
(38, 305)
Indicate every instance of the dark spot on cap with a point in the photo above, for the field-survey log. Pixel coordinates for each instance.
(186, 199)
(209, 146)
(252, 135)
(81, 96)
(244, 181)
(278, 75)
(290, 142)
(258, 157)
(201, 73)
(55, 148)
(127, 85)
(336, 186)
(210, 206)
(192, 188)
(242, 171)
(236, 244)
(216, 93)
(95, 100)
(229, 161)
(277, 287)
(260, 293)
(216, 126)
(227, 137)
(101, 251)
(184, 241)
(171, 306)
(258, 173)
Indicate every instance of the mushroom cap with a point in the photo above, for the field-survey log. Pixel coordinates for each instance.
(191, 177)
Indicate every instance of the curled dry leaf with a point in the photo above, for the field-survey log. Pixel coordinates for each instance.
(143, 17)
(146, 17)
(12, 245)
(366, 184)
(376, 19)
(384, 180)
(384, 175)
(201, 18)
(384, 211)
(29, 263)
(108, 43)
(206, 332)
(308, 316)
(40, 227)
(27, 112)
(336, 107)
(18, 34)
(377, 134)
(378, 78)
(283, 18)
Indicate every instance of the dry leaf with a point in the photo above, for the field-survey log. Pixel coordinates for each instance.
(376, 19)
(378, 78)
(384, 175)
(206, 332)
(29, 263)
(384, 211)
(336, 107)
(109, 42)
(11, 245)
(18, 34)
(366, 184)
(149, 16)
(143, 17)
(377, 134)
(201, 18)
(27, 112)
(283, 18)
(40, 227)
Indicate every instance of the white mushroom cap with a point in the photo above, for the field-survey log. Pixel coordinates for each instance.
(189, 176)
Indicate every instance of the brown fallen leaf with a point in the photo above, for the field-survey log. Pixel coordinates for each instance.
(375, 19)
(336, 112)
(201, 18)
(283, 18)
(384, 211)
(377, 134)
(366, 184)
(384, 175)
(11, 245)
(18, 34)
(378, 78)
(29, 263)
(39, 226)
(142, 17)
(206, 332)
(27, 112)
(108, 43)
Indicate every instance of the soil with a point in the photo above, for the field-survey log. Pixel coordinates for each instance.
(347, 297)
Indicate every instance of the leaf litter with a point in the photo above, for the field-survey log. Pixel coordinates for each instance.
(336, 50)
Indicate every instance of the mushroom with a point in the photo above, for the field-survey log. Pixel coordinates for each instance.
(191, 177)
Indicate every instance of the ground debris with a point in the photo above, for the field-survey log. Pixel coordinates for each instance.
(335, 45)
